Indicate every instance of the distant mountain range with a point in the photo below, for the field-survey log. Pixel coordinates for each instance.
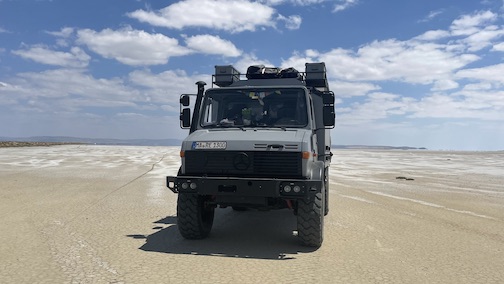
(97, 141)
(162, 142)
(377, 147)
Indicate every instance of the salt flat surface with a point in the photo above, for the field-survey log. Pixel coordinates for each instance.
(102, 214)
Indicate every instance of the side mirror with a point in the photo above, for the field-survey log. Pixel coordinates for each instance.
(329, 115)
(328, 98)
(185, 118)
(184, 100)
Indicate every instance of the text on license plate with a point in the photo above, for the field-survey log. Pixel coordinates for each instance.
(209, 145)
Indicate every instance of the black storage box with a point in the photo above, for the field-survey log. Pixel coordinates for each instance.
(316, 74)
(225, 75)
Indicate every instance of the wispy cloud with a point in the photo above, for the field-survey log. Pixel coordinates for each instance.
(75, 57)
(292, 22)
(344, 4)
(64, 32)
(431, 16)
(469, 24)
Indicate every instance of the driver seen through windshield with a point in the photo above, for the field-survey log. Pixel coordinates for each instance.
(254, 108)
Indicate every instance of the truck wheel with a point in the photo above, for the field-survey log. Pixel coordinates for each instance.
(326, 187)
(310, 221)
(326, 202)
(194, 217)
(239, 208)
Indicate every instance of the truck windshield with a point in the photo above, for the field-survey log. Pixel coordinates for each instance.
(282, 107)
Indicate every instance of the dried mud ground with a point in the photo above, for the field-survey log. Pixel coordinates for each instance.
(102, 214)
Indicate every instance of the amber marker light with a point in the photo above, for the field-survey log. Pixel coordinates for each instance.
(306, 155)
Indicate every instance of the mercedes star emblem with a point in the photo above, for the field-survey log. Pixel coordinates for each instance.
(241, 161)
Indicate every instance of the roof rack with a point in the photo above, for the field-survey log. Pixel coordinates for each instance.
(314, 75)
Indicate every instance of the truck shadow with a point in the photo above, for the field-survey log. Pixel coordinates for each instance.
(247, 234)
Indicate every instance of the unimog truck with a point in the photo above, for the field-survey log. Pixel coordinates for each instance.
(261, 142)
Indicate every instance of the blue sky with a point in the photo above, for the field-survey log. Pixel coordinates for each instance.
(418, 73)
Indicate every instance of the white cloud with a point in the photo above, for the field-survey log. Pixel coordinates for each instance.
(498, 47)
(444, 106)
(483, 38)
(65, 83)
(64, 32)
(485, 105)
(228, 15)
(344, 89)
(344, 4)
(407, 61)
(63, 36)
(431, 16)
(2, 30)
(293, 2)
(488, 73)
(377, 106)
(155, 86)
(489, 100)
(272, 2)
(42, 54)
(249, 59)
(433, 35)
(474, 32)
(298, 60)
(410, 61)
(305, 2)
(443, 85)
(469, 24)
(292, 22)
(209, 44)
(131, 47)
(478, 86)
(73, 102)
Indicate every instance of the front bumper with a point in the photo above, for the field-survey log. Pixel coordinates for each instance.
(251, 187)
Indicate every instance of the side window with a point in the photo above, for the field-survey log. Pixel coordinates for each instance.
(312, 115)
(210, 112)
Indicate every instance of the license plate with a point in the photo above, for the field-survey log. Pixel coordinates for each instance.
(209, 145)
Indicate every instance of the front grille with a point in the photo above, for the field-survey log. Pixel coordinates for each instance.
(271, 164)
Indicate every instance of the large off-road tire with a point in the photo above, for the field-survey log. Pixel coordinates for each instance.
(194, 217)
(239, 208)
(326, 187)
(310, 220)
(326, 202)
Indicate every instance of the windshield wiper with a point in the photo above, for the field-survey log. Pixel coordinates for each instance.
(209, 126)
(223, 125)
(269, 126)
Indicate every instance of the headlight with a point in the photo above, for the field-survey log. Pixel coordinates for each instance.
(185, 185)
(287, 188)
(297, 189)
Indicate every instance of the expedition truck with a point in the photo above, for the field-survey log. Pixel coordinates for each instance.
(259, 142)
